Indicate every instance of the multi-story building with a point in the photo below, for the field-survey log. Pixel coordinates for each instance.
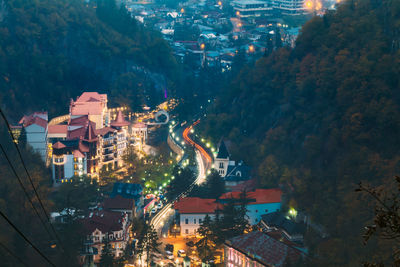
(102, 225)
(82, 137)
(35, 126)
(93, 105)
(258, 202)
(290, 7)
(252, 8)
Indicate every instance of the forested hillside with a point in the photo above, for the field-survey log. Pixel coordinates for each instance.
(321, 117)
(51, 51)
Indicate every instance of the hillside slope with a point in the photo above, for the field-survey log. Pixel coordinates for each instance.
(322, 117)
(51, 51)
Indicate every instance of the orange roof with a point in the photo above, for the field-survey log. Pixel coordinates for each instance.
(260, 196)
(195, 205)
(58, 129)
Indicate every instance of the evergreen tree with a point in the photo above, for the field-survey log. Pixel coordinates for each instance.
(215, 184)
(107, 254)
(205, 246)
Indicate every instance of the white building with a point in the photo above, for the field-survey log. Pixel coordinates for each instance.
(290, 7)
(35, 126)
(101, 225)
(252, 8)
(221, 161)
(192, 211)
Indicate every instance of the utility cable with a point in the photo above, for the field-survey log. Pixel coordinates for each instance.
(13, 254)
(29, 177)
(26, 239)
(24, 189)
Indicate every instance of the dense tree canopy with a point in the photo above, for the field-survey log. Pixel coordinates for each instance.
(321, 117)
(51, 51)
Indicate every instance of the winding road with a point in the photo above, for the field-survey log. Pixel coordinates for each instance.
(204, 162)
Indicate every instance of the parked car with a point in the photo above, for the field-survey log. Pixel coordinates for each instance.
(159, 205)
(169, 255)
(153, 211)
(181, 253)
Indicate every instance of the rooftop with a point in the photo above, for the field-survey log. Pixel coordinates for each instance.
(264, 249)
(195, 205)
(259, 196)
(118, 203)
(222, 151)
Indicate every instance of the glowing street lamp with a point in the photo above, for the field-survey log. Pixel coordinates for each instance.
(251, 48)
(202, 46)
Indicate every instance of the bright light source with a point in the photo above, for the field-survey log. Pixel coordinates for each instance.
(208, 144)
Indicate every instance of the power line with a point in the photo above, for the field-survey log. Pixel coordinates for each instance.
(25, 238)
(24, 189)
(29, 177)
(13, 254)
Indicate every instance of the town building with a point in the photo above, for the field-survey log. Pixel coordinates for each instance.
(85, 141)
(192, 211)
(252, 8)
(258, 202)
(93, 105)
(258, 249)
(130, 191)
(102, 225)
(233, 173)
(120, 204)
(290, 7)
(287, 228)
(35, 126)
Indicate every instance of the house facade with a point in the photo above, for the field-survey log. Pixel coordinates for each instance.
(102, 225)
(258, 202)
(192, 211)
(35, 126)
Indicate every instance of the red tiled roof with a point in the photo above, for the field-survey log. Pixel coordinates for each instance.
(59, 145)
(104, 131)
(264, 248)
(119, 203)
(195, 205)
(81, 120)
(82, 147)
(58, 129)
(89, 103)
(260, 195)
(120, 121)
(76, 133)
(90, 135)
(105, 221)
(87, 96)
(35, 120)
(78, 154)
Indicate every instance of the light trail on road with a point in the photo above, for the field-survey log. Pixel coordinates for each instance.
(158, 220)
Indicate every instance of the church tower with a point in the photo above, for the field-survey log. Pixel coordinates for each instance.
(222, 160)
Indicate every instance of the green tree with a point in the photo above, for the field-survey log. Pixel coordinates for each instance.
(107, 254)
(148, 244)
(206, 246)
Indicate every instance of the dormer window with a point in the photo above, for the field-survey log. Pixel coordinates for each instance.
(239, 174)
